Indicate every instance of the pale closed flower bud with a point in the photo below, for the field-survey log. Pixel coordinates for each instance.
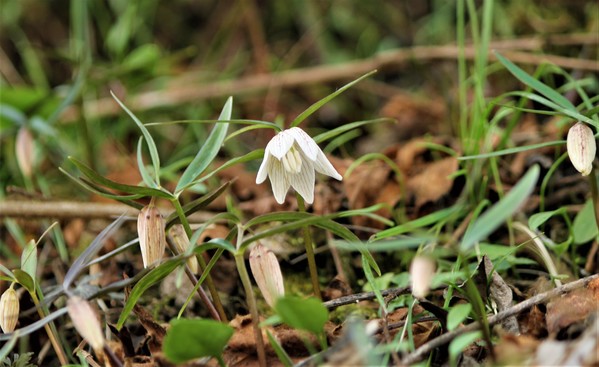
(422, 271)
(152, 236)
(9, 310)
(290, 159)
(582, 147)
(181, 242)
(25, 151)
(267, 273)
(86, 322)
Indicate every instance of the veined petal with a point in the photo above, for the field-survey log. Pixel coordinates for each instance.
(263, 170)
(280, 144)
(305, 142)
(324, 166)
(303, 182)
(278, 180)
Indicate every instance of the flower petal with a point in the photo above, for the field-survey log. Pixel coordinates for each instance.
(263, 170)
(324, 166)
(303, 182)
(305, 142)
(278, 180)
(280, 144)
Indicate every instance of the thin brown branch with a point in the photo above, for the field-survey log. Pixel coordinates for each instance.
(425, 349)
(182, 91)
(76, 209)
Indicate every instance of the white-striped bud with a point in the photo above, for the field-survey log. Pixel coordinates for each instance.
(582, 147)
(267, 273)
(422, 271)
(9, 310)
(151, 232)
(181, 242)
(86, 322)
(25, 151)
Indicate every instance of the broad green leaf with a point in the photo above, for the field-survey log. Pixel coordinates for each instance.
(538, 219)
(29, 259)
(209, 149)
(189, 339)
(153, 277)
(149, 140)
(535, 84)
(457, 314)
(25, 280)
(307, 314)
(585, 225)
(502, 210)
(459, 344)
(99, 179)
(310, 110)
(327, 135)
(145, 175)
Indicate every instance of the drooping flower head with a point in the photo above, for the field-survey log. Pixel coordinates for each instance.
(290, 159)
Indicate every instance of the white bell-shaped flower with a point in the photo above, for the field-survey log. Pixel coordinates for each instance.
(290, 159)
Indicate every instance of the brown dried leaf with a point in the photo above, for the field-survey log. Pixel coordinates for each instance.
(434, 182)
(574, 307)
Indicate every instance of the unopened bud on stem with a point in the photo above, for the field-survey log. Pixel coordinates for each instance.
(582, 147)
(86, 322)
(422, 271)
(9, 310)
(267, 273)
(151, 232)
(181, 242)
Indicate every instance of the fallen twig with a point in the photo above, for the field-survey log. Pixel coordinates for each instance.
(181, 90)
(421, 352)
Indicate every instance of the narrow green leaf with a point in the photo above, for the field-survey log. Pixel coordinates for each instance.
(417, 223)
(99, 179)
(327, 135)
(145, 175)
(149, 140)
(310, 110)
(280, 352)
(29, 259)
(153, 277)
(25, 280)
(189, 339)
(307, 314)
(457, 314)
(9, 345)
(399, 244)
(197, 204)
(208, 151)
(251, 156)
(585, 225)
(535, 84)
(512, 150)
(502, 210)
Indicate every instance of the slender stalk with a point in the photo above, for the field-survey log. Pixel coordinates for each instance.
(51, 331)
(213, 292)
(595, 193)
(309, 251)
(250, 299)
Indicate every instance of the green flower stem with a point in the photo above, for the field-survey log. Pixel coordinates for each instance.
(309, 251)
(595, 193)
(50, 330)
(250, 299)
(213, 292)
